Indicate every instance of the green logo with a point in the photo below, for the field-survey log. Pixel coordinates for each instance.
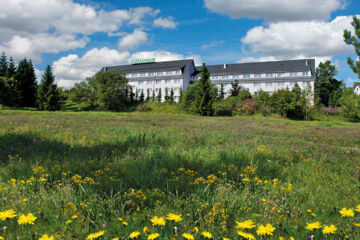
(138, 61)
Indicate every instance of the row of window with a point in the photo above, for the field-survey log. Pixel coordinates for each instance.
(150, 82)
(153, 74)
(259, 75)
(176, 90)
(269, 84)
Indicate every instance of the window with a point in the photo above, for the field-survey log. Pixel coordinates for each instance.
(257, 84)
(304, 84)
(224, 77)
(257, 75)
(158, 81)
(168, 73)
(236, 77)
(160, 73)
(140, 90)
(246, 75)
(178, 72)
(269, 75)
(158, 90)
(215, 77)
(150, 89)
(167, 81)
(292, 84)
(176, 89)
(152, 74)
(142, 75)
(149, 82)
(177, 81)
(141, 82)
(280, 74)
(280, 84)
(268, 84)
(293, 74)
(134, 75)
(305, 74)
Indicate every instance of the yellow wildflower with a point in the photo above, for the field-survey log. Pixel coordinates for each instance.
(27, 219)
(246, 235)
(188, 236)
(46, 237)
(248, 224)
(313, 225)
(124, 223)
(120, 219)
(95, 235)
(196, 230)
(225, 238)
(145, 230)
(346, 212)
(153, 236)
(206, 235)
(329, 229)
(265, 230)
(174, 217)
(158, 221)
(357, 208)
(2, 238)
(7, 214)
(134, 235)
(68, 222)
(357, 224)
(291, 238)
(115, 238)
(74, 217)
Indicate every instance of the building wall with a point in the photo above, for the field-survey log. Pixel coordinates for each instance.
(357, 90)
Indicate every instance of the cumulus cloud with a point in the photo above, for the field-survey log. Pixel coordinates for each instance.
(275, 10)
(212, 44)
(72, 69)
(164, 23)
(161, 56)
(133, 40)
(289, 40)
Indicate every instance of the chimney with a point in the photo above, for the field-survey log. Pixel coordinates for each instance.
(225, 66)
(306, 63)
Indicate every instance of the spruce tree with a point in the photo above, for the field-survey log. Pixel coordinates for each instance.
(206, 93)
(11, 71)
(3, 65)
(235, 88)
(181, 94)
(158, 97)
(132, 95)
(25, 75)
(171, 98)
(166, 95)
(136, 95)
(142, 96)
(48, 95)
(147, 95)
(153, 96)
(222, 91)
(355, 41)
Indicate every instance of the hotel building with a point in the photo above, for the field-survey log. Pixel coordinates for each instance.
(144, 75)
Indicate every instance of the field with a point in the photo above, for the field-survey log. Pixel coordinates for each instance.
(119, 175)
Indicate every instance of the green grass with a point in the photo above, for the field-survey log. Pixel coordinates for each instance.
(101, 166)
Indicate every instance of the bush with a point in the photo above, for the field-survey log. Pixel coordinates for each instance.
(247, 106)
(222, 110)
(350, 106)
(143, 107)
(330, 110)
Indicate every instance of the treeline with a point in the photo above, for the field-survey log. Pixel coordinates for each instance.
(19, 88)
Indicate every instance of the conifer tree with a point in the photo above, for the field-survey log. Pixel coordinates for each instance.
(48, 95)
(158, 97)
(136, 95)
(166, 95)
(153, 96)
(171, 98)
(11, 71)
(142, 96)
(25, 76)
(3, 65)
(235, 88)
(355, 41)
(181, 94)
(147, 95)
(222, 91)
(132, 95)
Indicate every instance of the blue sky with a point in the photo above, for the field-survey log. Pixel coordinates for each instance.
(79, 37)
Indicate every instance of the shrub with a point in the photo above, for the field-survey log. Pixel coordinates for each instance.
(222, 110)
(143, 107)
(330, 110)
(247, 106)
(350, 106)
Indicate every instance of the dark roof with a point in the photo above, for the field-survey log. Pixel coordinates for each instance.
(155, 66)
(263, 67)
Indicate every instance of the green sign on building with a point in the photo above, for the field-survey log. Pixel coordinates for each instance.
(138, 61)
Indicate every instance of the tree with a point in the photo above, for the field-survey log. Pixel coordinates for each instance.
(11, 71)
(297, 90)
(262, 98)
(158, 97)
(350, 105)
(181, 94)
(48, 94)
(3, 65)
(283, 102)
(171, 97)
(25, 76)
(153, 96)
(222, 91)
(132, 95)
(355, 41)
(325, 82)
(235, 88)
(142, 96)
(166, 95)
(147, 95)
(206, 94)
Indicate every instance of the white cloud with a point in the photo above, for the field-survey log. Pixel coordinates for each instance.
(137, 14)
(275, 10)
(289, 40)
(72, 69)
(133, 40)
(161, 56)
(318, 60)
(212, 44)
(33, 46)
(164, 23)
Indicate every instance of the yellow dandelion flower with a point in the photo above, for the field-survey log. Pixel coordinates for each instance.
(357, 208)
(265, 230)
(115, 238)
(196, 230)
(291, 238)
(74, 217)
(188, 236)
(134, 235)
(2, 238)
(313, 225)
(46, 237)
(7, 214)
(158, 221)
(346, 212)
(246, 235)
(248, 224)
(68, 222)
(225, 238)
(206, 235)
(174, 217)
(95, 235)
(120, 219)
(329, 229)
(124, 223)
(145, 230)
(153, 236)
(356, 224)
(26, 219)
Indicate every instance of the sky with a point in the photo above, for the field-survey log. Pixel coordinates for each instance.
(77, 37)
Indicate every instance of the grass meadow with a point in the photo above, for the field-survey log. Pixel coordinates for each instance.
(94, 175)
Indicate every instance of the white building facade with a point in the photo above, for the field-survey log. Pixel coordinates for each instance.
(253, 77)
(357, 90)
